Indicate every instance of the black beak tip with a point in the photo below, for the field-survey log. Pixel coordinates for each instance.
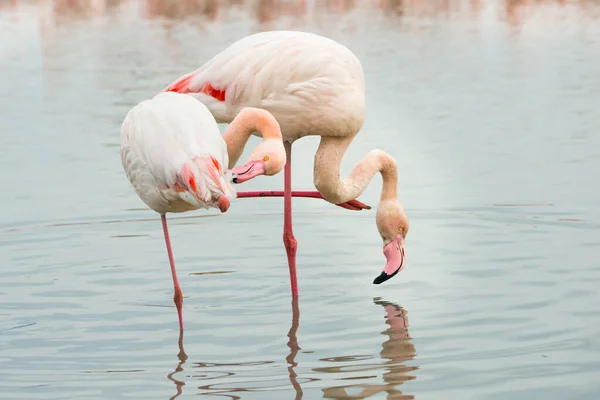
(382, 278)
(234, 179)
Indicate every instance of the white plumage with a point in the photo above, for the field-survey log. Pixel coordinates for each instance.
(174, 155)
(315, 86)
(311, 84)
(175, 158)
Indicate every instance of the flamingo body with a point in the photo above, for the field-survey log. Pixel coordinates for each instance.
(311, 84)
(176, 159)
(174, 155)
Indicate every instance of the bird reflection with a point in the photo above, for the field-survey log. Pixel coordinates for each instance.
(268, 14)
(294, 348)
(182, 356)
(181, 10)
(394, 351)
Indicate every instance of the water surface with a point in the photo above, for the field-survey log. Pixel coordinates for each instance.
(491, 110)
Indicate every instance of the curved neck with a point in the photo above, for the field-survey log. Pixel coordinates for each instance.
(336, 190)
(248, 121)
(236, 139)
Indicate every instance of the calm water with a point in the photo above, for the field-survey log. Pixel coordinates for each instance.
(491, 110)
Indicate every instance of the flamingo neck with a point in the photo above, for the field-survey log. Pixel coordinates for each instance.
(336, 190)
(236, 139)
(246, 122)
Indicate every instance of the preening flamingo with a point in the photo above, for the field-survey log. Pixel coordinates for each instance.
(175, 158)
(312, 85)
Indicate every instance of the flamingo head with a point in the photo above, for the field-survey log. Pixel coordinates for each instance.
(393, 228)
(266, 159)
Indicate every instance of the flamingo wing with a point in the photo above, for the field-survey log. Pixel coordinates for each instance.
(287, 73)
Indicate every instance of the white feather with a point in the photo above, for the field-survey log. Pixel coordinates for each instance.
(311, 84)
(162, 135)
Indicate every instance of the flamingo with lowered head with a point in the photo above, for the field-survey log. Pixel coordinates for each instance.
(314, 86)
(175, 158)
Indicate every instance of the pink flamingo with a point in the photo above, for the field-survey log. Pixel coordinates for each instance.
(312, 85)
(174, 156)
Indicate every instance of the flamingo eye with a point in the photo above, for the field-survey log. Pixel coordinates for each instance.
(266, 158)
(400, 229)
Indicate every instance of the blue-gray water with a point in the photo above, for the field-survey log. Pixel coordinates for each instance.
(492, 111)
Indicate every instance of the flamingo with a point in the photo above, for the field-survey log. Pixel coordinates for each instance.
(313, 86)
(174, 156)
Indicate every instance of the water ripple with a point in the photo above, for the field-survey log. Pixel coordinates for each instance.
(497, 161)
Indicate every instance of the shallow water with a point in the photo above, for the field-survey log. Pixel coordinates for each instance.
(491, 110)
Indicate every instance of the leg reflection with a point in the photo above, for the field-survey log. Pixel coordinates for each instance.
(182, 356)
(294, 348)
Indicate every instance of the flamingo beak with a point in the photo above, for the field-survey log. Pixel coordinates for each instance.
(248, 171)
(395, 256)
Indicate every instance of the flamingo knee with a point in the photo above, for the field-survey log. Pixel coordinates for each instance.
(290, 242)
(178, 299)
(291, 246)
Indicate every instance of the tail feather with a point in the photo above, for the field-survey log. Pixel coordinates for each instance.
(218, 180)
(202, 181)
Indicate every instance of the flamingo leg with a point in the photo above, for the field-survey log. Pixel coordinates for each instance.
(354, 205)
(290, 242)
(178, 296)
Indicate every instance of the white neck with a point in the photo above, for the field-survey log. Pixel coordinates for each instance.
(246, 122)
(327, 172)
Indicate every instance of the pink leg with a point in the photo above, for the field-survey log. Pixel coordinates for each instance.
(178, 297)
(290, 242)
(350, 205)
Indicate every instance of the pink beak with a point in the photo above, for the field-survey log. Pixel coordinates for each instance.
(394, 253)
(248, 171)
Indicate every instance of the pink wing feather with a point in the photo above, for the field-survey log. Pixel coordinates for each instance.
(285, 72)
